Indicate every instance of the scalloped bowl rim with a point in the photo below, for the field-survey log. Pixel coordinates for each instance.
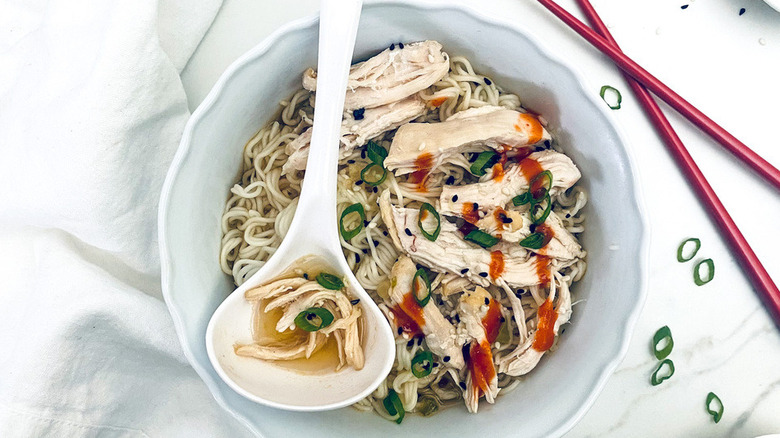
(258, 51)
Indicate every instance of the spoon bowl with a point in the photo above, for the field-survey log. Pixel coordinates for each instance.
(312, 234)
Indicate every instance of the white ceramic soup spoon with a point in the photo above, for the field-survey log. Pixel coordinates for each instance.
(313, 231)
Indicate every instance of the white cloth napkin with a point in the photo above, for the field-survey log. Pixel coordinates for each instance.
(91, 112)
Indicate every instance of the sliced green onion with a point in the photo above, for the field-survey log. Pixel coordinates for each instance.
(422, 364)
(710, 272)
(376, 153)
(680, 257)
(523, 199)
(373, 174)
(546, 184)
(660, 335)
(656, 380)
(619, 96)
(354, 208)
(426, 406)
(533, 241)
(393, 405)
(329, 281)
(421, 292)
(429, 208)
(484, 161)
(537, 217)
(481, 238)
(716, 414)
(313, 319)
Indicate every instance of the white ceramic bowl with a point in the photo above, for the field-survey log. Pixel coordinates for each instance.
(553, 397)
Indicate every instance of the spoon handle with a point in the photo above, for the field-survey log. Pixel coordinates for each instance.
(316, 215)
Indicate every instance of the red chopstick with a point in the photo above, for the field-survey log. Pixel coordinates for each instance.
(750, 264)
(731, 143)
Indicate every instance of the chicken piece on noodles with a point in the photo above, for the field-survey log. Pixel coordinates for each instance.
(471, 130)
(391, 75)
(439, 333)
(481, 315)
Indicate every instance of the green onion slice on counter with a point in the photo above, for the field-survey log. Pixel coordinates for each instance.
(422, 364)
(541, 210)
(697, 244)
(617, 93)
(523, 199)
(313, 319)
(481, 238)
(376, 153)
(658, 337)
(373, 174)
(329, 281)
(352, 232)
(421, 287)
(393, 405)
(716, 414)
(426, 209)
(484, 161)
(540, 185)
(656, 379)
(533, 241)
(710, 272)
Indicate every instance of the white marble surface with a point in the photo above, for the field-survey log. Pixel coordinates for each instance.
(729, 67)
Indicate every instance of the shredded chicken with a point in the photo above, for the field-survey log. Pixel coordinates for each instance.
(494, 193)
(471, 130)
(391, 75)
(294, 295)
(482, 378)
(439, 333)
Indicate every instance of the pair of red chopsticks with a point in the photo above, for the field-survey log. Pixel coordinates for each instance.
(639, 78)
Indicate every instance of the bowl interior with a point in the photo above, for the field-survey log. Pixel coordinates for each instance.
(555, 395)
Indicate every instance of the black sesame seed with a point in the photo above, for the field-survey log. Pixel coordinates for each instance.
(374, 189)
(351, 161)
(454, 198)
(547, 143)
(450, 180)
(446, 358)
(435, 364)
(358, 113)
(400, 45)
(457, 318)
(532, 228)
(353, 302)
(376, 243)
(488, 81)
(363, 153)
(463, 271)
(741, 11)
(384, 232)
(408, 232)
(483, 274)
(475, 206)
(684, 7)
(309, 316)
(487, 301)
(357, 258)
(410, 343)
(392, 46)
(358, 182)
(365, 223)
(462, 386)
(419, 341)
(306, 276)
(502, 319)
(504, 218)
(365, 251)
